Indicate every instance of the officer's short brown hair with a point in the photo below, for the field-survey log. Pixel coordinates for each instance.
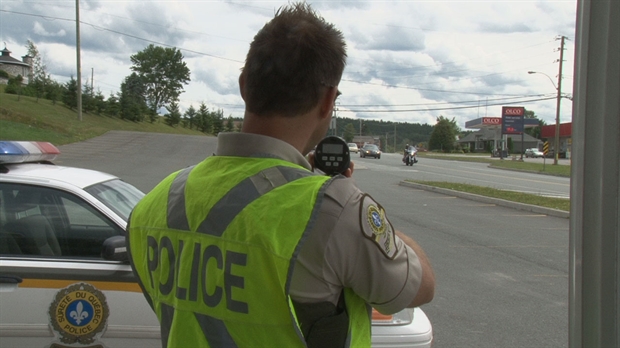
(291, 61)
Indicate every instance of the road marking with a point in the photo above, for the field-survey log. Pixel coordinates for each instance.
(551, 275)
(526, 215)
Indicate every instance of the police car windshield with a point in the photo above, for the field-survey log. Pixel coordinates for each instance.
(117, 195)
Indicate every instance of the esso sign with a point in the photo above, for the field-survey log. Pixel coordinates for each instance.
(514, 111)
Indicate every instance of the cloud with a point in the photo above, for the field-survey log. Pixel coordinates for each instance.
(403, 55)
(504, 28)
(389, 38)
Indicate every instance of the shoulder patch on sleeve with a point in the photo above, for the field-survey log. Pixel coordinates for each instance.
(376, 227)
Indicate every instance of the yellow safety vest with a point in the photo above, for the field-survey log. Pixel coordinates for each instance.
(208, 247)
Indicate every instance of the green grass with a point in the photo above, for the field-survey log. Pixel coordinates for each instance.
(540, 168)
(25, 118)
(548, 202)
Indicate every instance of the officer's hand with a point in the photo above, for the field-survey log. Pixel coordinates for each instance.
(349, 172)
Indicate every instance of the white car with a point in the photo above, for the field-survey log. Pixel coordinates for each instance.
(64, 276)
(534, 153)
(353, 147)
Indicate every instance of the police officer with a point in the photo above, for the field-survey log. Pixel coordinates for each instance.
(250, 247)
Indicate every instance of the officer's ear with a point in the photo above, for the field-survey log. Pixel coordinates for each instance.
(242, 85)
(328, 100)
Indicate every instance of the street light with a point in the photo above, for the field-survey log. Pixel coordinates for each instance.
(556, 146)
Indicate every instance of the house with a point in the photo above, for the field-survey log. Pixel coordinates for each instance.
(15, 67)
(360, 140)
(484, 139)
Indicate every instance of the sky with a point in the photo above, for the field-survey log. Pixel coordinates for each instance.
(408, 61)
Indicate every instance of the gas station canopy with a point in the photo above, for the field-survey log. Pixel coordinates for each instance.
(496, 122)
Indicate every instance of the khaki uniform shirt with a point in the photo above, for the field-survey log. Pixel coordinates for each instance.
(346, 247)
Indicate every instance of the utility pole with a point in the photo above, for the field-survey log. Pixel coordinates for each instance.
(79, 63)
(556, 151)
(92, 79)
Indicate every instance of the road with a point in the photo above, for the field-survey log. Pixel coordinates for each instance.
(502, 274)
(429, 169)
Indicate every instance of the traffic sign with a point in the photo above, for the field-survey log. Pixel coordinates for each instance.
(546, 148)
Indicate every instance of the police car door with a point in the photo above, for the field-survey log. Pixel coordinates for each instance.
(55, 288)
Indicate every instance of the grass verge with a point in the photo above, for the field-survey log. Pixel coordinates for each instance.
(525, 198)
(539, 168)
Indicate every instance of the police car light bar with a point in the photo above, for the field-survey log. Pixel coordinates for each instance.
(27, 151)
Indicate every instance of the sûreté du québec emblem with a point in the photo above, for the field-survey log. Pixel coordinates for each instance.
(78, 315)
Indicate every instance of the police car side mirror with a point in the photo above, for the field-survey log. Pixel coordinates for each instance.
(115, 249)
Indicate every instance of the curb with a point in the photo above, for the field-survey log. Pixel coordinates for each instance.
(484, 199)
(528, 171)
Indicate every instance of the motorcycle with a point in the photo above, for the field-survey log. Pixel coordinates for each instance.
(410, 157)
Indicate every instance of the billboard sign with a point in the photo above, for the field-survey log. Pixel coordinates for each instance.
(512, 119)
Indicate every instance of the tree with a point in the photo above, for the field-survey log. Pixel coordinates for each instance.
(53, 90)
(98, 101)
(535, 131)
(203, 119)
(230, 124)
(444, 134)
(163, 73)
(112, 105)
(69, 96)
(88, 100)
(38, 79)
(173, 117)
(14, 86)
(218, 121)
(189, 118)
(349, 132)
(132, 103)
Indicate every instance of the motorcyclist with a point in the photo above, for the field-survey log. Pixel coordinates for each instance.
(405, 152)
(408, 150)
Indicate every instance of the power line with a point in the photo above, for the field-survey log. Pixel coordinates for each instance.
(455, 102)
(449, 108)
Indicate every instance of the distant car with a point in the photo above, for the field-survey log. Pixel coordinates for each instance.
(370, 150)
(353, 148)
(65, 280)
(534, 153)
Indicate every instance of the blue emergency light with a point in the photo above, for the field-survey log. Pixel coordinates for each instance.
(27, 151)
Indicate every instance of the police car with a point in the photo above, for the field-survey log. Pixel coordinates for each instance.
(64, 276)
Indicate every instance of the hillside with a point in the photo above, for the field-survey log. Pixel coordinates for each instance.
(25, 118)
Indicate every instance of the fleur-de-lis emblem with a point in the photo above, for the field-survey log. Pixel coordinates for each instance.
(79, 314)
